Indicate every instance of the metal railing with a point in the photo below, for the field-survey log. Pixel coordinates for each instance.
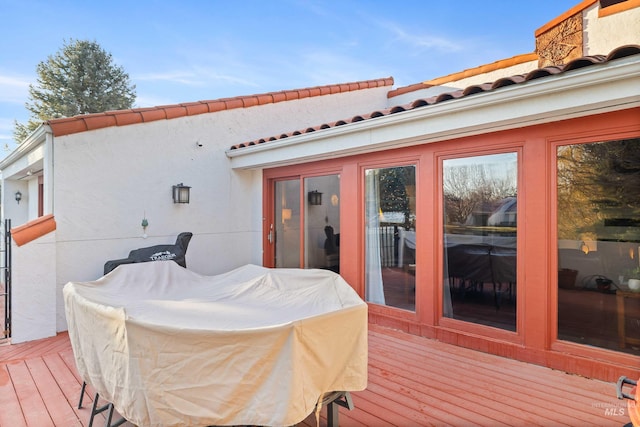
(5, 285)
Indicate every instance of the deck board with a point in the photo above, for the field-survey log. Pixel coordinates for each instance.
(51, 393)
(11, 413)
(412, 381)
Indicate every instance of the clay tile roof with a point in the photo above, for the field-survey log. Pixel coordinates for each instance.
(85, 122)
(586, 61)
(543, 72)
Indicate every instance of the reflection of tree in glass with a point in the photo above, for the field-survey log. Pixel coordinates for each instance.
(393, 191)
(598, 182)
(470, 187)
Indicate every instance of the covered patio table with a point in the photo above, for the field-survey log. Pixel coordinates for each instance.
(254, 346)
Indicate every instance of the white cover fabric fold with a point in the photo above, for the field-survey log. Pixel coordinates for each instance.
(254, 346)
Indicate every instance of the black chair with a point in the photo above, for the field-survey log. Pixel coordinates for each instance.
(175, 252)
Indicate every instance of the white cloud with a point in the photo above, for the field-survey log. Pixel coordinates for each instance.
(420, 40)
(179, 77)
(14, 89)
(200, 76)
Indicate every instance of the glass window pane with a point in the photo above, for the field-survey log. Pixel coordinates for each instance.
(287, 224)
(390, 236)
(322, 222)
(480, 224)
(598, 210)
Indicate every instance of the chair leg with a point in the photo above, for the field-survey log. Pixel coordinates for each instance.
(84, 386)
(95, 410)
(341, 399)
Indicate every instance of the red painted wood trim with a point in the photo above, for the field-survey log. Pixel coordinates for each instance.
(33, 229)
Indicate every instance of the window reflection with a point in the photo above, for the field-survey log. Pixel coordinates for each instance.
(287, 224)
(598, 187)
(390, 236)
(322, 222)
(480, 224)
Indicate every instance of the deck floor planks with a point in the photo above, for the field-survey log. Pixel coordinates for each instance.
(10, 410)
(453, 397)
(539, 387)
(376, 402)
(412, 381)
(33, 407)
(504, 401)
(51, 394)
(69, 386)
(9, 352)
(429, 405)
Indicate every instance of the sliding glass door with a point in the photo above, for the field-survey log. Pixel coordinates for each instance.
(390, 236)
(480, 201)
(305, 232)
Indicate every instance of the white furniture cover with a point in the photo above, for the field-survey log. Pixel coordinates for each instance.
(254, 346)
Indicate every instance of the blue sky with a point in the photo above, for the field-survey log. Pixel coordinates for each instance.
(192, 50)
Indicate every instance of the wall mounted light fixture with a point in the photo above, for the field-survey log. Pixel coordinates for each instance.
(144, 224)
(18, 196)
(181, 193)
(315, 198)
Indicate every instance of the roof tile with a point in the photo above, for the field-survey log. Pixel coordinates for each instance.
(194, 108)
(216, 106)
(33, 229)
(67, 125)
(232, 103)
(126, 117)
(175, 111)
(96, 121)
(151, 114)
(250, 101)
(471, 90)
(81, 123)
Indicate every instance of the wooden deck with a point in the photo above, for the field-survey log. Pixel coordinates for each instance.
(413, 381)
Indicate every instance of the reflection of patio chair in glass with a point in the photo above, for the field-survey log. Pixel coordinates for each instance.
(332, 249)
(503, 268)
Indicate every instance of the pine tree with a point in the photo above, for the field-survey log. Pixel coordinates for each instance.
(80, 78)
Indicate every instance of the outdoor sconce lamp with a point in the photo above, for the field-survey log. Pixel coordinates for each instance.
(18, 196)
(315, 198)
(181, 193)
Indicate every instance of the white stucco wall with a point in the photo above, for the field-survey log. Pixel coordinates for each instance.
(602, 35)
(108, 180)
(33, 290)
